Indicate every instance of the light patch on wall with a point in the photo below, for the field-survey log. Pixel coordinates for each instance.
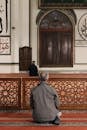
(81, 55)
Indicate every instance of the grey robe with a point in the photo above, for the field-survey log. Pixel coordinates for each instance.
(44, 102)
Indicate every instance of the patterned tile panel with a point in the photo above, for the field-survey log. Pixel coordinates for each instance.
(15, 92)
(10, 93)
(72, 92)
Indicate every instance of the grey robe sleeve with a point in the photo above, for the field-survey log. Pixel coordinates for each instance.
(56, 99)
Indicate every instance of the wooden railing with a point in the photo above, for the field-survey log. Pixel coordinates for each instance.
(15, 90)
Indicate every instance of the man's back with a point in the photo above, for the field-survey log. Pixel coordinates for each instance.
(44, 102)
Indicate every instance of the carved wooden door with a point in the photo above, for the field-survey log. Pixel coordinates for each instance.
(56, 41)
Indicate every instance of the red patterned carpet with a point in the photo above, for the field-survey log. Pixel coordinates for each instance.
(44, 128)
(70, 120)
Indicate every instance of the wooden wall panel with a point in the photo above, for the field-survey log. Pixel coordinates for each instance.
(15, 90)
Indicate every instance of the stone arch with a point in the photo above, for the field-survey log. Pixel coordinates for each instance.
(70, 13)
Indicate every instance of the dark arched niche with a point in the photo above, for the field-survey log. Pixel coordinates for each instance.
(56, 37)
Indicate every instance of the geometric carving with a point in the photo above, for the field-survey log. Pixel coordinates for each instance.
(10, 93)
(28, 84)
(72, 92)
(15, 92)
(82, 26)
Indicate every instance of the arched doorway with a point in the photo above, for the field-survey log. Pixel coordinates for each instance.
(55, 40)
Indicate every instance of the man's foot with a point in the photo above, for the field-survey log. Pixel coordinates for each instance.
(56, 121)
